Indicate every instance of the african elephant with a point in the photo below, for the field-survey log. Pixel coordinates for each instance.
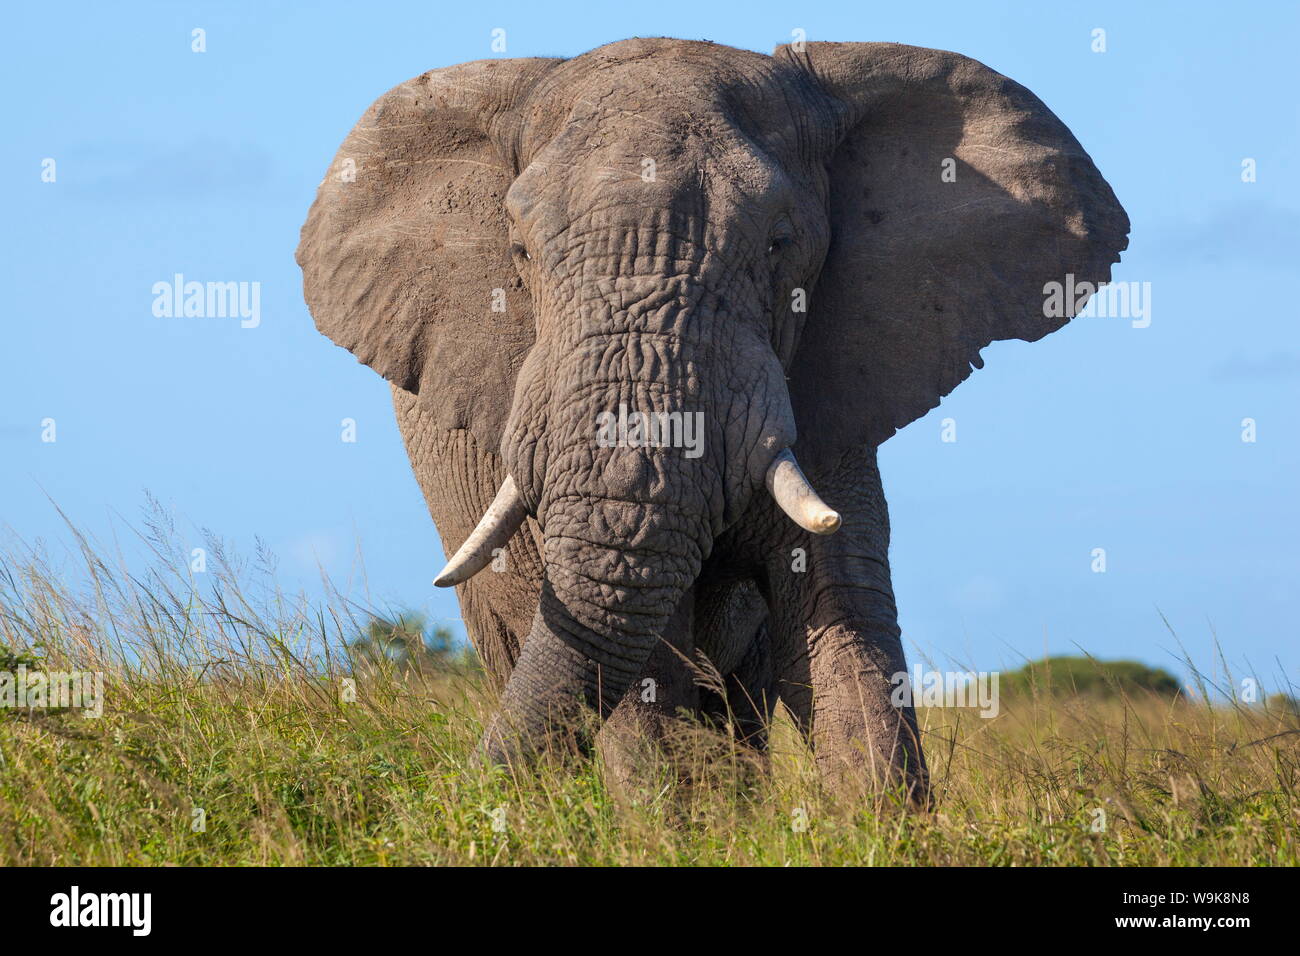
(797, 253)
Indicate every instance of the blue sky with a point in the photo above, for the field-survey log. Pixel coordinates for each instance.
(1100, 436)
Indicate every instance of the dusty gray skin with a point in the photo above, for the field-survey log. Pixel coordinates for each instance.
(521, 182)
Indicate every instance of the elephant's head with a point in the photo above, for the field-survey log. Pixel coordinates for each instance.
(815, 244)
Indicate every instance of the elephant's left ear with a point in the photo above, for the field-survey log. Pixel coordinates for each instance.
(956, 197)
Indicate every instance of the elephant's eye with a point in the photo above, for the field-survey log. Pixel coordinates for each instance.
(778, 244)
(519, 252)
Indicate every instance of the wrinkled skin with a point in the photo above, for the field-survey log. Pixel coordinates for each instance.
(673, 226)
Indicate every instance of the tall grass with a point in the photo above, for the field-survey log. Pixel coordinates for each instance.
(229, 736)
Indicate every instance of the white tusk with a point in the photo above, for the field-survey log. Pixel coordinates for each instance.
(498, 525)
(797, 498)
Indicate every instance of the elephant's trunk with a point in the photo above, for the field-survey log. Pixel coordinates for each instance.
(604, 605)
(642, 427)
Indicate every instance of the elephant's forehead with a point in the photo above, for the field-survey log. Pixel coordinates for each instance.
(646, 168)
(652, 135)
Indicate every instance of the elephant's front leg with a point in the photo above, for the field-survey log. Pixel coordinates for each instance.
(630, 742)
(833, 605)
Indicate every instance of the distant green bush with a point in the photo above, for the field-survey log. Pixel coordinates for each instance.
(1085, 675)
(1283, 704)
(11, 660)
(406, 643)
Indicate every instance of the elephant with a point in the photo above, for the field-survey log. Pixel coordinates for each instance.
(796, 255)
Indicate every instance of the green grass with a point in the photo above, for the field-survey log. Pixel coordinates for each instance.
(223, 694)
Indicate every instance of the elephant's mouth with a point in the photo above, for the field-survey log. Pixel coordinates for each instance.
(784, 480)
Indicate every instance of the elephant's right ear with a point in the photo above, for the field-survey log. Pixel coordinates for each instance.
(406, 254)
(957, 199)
